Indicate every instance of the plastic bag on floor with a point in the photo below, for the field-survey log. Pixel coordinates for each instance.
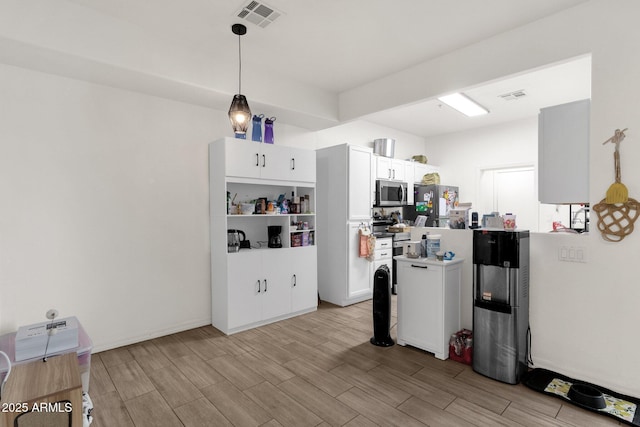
(87, 408)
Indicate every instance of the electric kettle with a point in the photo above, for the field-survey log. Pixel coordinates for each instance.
(235, 240)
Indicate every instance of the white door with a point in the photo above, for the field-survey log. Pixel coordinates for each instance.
(397, 170)
(242, 158)
(304, 278)
(302, 165)
(383, 167)
(245, 288)
(420, 305)
(515, 192)
(276, 289)
(274, 161)
(359, 188)
(359, 268)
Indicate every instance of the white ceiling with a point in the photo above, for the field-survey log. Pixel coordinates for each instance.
(554, 85)
(337, 45)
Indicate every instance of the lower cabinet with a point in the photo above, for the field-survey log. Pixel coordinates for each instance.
(262, 288)
(428, 303)
(383, 254)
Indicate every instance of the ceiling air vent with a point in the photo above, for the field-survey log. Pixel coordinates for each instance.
(258, 14)
(511, 96)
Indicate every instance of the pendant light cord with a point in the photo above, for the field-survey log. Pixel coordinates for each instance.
(239, 65)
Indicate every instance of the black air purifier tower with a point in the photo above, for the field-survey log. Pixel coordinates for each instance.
(382, 307)
(500, 304)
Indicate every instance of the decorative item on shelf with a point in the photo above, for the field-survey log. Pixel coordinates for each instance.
(617, 212)
(239, 112)
(256, 128)
(268, 130)
(431, 178)
(421, 158)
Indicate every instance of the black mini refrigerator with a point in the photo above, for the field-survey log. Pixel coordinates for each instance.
(500, 304)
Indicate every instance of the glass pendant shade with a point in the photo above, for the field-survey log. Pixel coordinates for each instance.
(240, 114)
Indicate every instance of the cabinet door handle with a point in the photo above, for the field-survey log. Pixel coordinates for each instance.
(394, 174)
(264, 160)
(257, 160)
(258, 286)
(384, 244)
(293, 164)
(419, 266)
(389, 173)
(295, 280)
(384, 254)
(265, 285)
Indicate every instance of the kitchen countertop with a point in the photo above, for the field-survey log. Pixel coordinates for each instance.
(427, 261)
(382, 235)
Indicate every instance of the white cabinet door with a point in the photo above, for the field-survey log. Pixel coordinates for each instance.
(304, 278)
(245, 288)
(359, 187)
(384, 168)
(274, 161)
(250, 159)
(276, 291)
(388, 168)
(397, 170)
(563, 153)
(360, 269)
(242, 158)
(420, 306)
(302, 165)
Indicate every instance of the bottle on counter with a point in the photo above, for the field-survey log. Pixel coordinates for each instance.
(423, 246)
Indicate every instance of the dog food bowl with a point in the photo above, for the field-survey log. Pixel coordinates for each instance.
(586, 395)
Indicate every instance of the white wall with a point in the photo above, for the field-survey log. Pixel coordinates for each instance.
(364, 133)
(462, 155)
(104, 209)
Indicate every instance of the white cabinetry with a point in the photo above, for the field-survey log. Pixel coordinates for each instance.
(383, 254)
(345, 194)
(392, 169)
(563, 153)
(360, 191)
(258, 160)
(260, 285)
(428, 303)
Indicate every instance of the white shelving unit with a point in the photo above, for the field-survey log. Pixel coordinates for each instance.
(261, 285)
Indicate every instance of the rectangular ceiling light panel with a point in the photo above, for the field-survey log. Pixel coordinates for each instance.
(464, 104)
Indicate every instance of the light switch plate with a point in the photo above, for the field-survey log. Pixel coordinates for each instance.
(572, 253)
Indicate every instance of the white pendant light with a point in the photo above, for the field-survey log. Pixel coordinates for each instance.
(239, 112)
(464, 104)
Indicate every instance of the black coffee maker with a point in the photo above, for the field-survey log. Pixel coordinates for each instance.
(274, 236)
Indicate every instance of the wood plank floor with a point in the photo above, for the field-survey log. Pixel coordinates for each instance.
(314, 370)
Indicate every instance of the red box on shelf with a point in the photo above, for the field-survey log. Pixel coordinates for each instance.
(461, 347)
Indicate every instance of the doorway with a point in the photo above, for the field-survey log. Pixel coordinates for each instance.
(511, 189)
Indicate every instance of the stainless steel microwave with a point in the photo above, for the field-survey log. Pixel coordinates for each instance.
(391, 193)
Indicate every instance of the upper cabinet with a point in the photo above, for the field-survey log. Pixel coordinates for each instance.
(360, 186)
(563, 153)
(250, 159)
(392, 169)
